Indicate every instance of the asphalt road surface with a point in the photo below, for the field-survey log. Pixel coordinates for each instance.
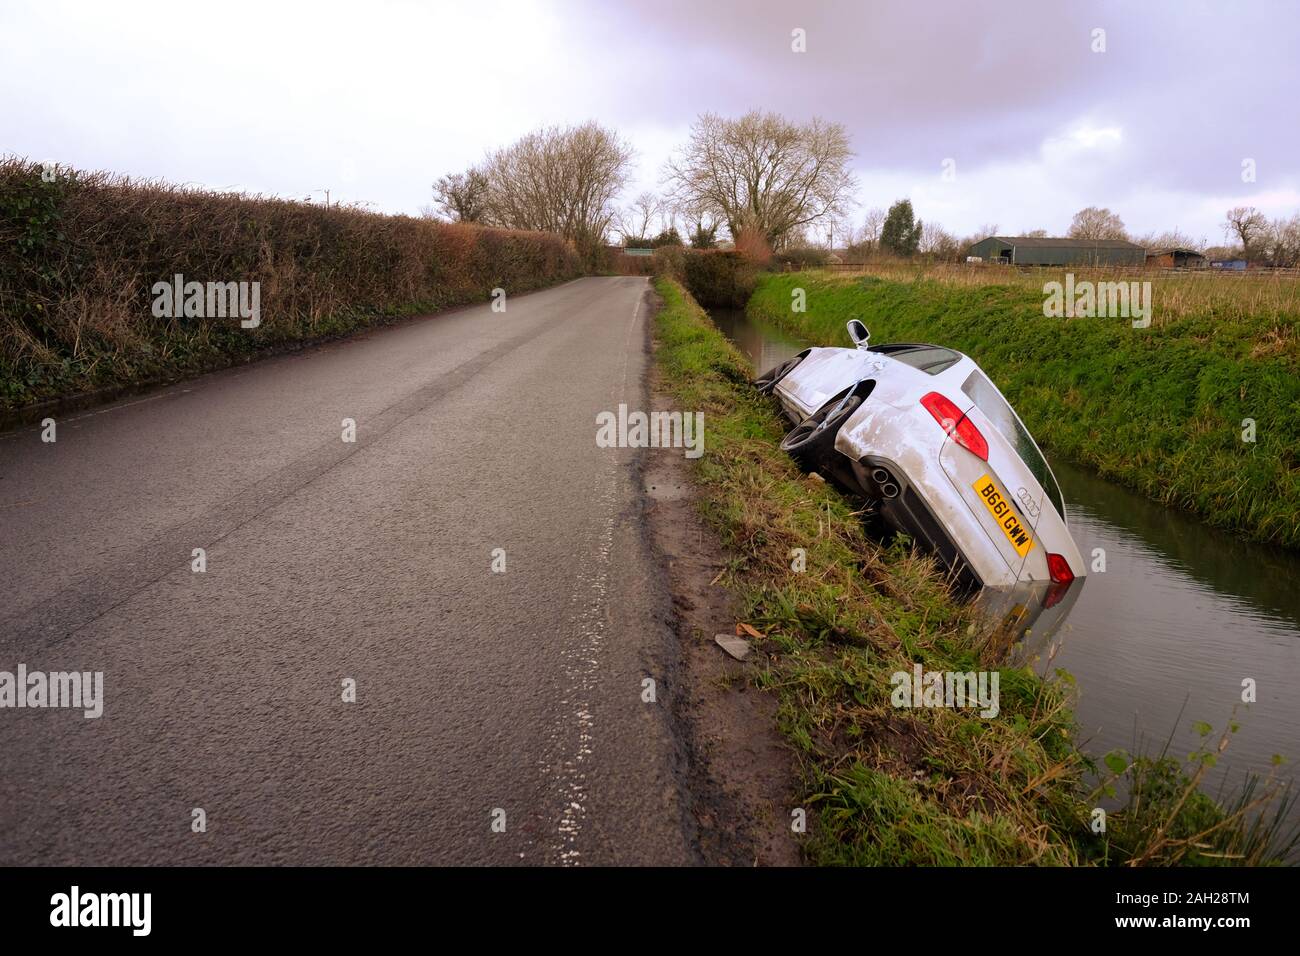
(482, 698)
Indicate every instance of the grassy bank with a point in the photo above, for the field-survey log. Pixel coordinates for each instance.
(1161, 410)
(886, 785)
(81, 252)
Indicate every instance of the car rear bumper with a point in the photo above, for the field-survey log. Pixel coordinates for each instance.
(911, 513)
(908, 512)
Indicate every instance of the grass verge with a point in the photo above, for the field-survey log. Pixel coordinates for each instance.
(891, 786)
(1162, 410)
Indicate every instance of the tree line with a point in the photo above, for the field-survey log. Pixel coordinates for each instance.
(760, 178)
(764, 183)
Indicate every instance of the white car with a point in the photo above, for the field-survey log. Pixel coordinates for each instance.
(921, 431)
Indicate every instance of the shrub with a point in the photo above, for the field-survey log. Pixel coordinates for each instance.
(79, 255)
(803, 256)
(625, 265)
(704, 237)
(751, 244)
(670, 261)
(720, 278)
(669, 237)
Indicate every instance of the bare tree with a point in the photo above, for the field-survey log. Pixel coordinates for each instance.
(1097, 223)
(561, 180)
(1249, 226)
(1283, 241)
(462, 197)
(634, 221)
(764, 173)
(701, 228)
(667, 218)
(799, 239)
(872, 223)
(937, 243)
(1170, 239)
(1035, 234)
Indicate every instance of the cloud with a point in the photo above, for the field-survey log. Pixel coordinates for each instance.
(376, 101)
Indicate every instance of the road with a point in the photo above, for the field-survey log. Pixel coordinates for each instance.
(370, 561)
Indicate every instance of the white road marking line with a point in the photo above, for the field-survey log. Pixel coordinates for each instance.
(101, 411)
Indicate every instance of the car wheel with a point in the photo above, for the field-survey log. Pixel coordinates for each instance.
(812, 442)
(766, 382)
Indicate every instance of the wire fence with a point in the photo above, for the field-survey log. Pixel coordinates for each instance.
(995, 268)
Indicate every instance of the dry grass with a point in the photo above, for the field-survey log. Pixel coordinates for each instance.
(1249, 296)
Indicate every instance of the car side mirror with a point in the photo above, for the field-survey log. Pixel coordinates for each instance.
(859, 333)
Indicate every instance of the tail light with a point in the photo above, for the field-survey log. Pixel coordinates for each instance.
(1059, 569)
(958, 426)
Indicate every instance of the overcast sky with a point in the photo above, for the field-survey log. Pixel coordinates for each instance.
(376, 99)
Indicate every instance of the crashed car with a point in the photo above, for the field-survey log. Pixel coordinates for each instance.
(923, 433)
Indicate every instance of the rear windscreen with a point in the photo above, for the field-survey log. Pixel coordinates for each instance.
(990, 401)
(930, 359)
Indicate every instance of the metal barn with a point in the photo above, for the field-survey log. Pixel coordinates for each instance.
(1033, 251)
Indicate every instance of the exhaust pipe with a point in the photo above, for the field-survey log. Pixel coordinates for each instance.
(885, 482)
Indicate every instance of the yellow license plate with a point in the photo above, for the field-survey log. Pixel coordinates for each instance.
(1004, 515)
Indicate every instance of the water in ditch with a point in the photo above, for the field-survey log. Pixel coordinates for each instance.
(1166, 635)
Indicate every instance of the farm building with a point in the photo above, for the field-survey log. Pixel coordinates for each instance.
(1032, 251)
(1175, 259)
